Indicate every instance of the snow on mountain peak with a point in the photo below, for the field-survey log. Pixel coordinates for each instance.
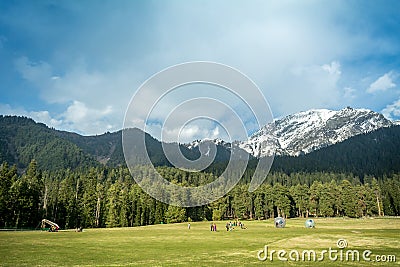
(216, 141)
(306, 131)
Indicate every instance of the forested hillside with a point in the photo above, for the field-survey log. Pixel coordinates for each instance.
(22, 139)
(376, 153)
(109, 197)
(81, 181)
(106, 148)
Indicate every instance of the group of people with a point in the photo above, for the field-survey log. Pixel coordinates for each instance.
(213, 227)
(231, 225)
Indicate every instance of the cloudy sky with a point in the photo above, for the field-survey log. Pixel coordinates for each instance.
(75, 65)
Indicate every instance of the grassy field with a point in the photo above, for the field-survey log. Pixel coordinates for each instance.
(175, 245)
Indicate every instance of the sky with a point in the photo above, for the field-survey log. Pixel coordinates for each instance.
(75, 65)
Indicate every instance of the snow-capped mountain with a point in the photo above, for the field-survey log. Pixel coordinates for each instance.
(216, 141)
(304, 132)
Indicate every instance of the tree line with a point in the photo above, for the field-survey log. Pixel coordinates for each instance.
(109, 197)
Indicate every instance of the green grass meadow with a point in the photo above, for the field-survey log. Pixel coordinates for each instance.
(175, 245)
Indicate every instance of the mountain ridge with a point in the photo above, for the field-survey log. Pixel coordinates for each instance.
(307, 131)
(22, 139)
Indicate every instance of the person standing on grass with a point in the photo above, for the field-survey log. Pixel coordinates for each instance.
(189, 226)
(212, 227)
(215, 227)
(227, 227)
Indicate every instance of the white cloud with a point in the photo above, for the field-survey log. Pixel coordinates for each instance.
(90, 100)
(77, 83)
(37, 73)
(392, 111)
(188, 110)
(215, 132)
(306, 87)
(45, 117)
(188, 133)
(42, 116)
(195, 132)
(383, 83)
(77, 117)
(94, 102)
(349, 93)
(87, 120)
(79, 114)
(333, 68)
(291, 50)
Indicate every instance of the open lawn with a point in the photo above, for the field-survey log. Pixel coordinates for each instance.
(175, 245)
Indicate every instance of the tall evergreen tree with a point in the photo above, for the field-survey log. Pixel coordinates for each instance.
(175, 214)
(7, 178)
(349, 199)
(300, 195)
(282, 200)
(28, 191)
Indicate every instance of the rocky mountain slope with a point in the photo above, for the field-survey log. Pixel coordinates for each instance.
(307, 131)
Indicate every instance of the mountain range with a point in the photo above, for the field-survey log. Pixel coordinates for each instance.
(295, 138)
(308, 131)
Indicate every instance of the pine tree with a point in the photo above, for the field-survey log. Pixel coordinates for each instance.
(175, 214)
(28, 192)
(242, 202)
(7, 178)
(326, 200)
(378, 196)
(282, 200)
(349, 198)
(315, 193)
(89, 199)
(113, 205)
(301, 198)
(259, 204)
(99, 213)
(269, 200)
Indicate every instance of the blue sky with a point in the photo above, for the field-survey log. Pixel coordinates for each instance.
(75, 65)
